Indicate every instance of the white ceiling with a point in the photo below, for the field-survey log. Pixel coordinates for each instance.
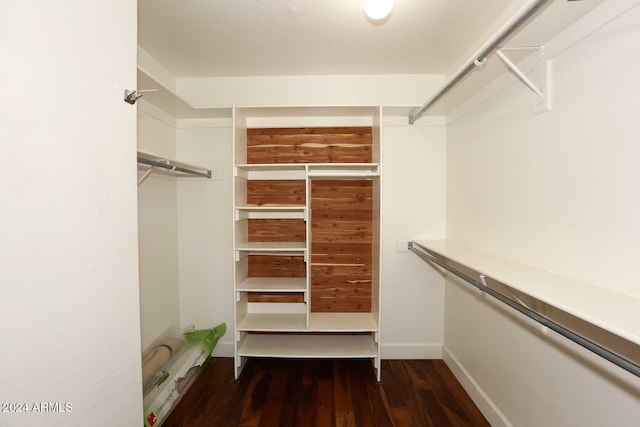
(305, 37)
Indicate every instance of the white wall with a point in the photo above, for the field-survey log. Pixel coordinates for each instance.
(204, 231)
(557, 191)
(392, 89)
(412, 305)
(413, 206)
(68, 245)
(157, 229)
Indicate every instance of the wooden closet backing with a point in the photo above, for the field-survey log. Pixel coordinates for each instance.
(309, 145)
(341, 245)
(341, 216)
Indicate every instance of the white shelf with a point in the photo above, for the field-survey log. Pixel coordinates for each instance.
(308, 346)
(271, 246)
(272, 208)
(170, 103)
(344, 170)
(271, 166)
(271, 212)
(273, 322)
(273, 284)
(342, 322)
(609, 310)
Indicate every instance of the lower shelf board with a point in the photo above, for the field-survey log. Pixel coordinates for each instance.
(309, 346)
(265, 322)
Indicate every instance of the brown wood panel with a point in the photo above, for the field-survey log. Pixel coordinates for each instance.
(345, 195)
(292, 393)
(341, 304)
(328, 230)
(341, 242)
(276, 266)
(277, 230)
(276, 297)
(310, 145)
(285, 192)
(334, 249)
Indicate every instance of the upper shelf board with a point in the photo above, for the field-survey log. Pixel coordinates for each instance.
(609, 310)
(548, 23)
(172, 104)
(309, 111)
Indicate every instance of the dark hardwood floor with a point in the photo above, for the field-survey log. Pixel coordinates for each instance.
(340, 393)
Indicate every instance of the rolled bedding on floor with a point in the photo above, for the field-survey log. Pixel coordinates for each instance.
(158, 357)
(188, 354)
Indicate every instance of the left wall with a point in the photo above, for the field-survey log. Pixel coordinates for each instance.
(68, 240)
(157, 229)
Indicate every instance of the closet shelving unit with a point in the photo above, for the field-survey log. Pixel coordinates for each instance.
(299, 291)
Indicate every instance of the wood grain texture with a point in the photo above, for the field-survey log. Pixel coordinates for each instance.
(277, 230)
(341, 243)
(300, 393)
(310, 145)
(285, 192)
(276, 297)
(276, 266)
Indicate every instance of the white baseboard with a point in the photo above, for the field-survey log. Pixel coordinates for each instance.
(223, 349)
(411, 351)
(488, 408)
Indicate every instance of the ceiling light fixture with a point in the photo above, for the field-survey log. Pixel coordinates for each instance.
(377, 9)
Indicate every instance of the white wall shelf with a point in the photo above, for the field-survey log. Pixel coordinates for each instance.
(167, 101)
(273, 284)
(342, 322)
(554, 18)
(309, 346)
(271, 246)
(611, 311)
(344, 170)
(273, 322)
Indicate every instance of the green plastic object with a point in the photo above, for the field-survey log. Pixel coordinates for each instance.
(200, 344)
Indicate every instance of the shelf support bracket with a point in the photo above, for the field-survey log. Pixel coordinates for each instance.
(146, 175)
(541, 72)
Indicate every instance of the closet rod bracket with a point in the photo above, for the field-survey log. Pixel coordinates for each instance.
(534, 72)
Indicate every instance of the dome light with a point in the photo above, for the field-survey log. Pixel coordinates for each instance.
(377, 9)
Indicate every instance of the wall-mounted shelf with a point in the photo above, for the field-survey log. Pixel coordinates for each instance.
(482, 68)
(308, 346)
(271, 246)
(273, 284)
(342, 322)
(273, 322)
(344, 170)
(611, 311)
(167, 101)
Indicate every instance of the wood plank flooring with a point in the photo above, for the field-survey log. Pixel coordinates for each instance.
(335, 393)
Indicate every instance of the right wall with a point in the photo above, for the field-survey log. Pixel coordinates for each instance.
(559, 191)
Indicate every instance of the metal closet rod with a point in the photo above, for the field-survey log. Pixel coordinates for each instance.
(169, 166)
(623, 363)
(481, 58)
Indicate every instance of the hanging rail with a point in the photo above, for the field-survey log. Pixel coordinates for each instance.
(480, 59)
(623, 363)
(171, 165)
